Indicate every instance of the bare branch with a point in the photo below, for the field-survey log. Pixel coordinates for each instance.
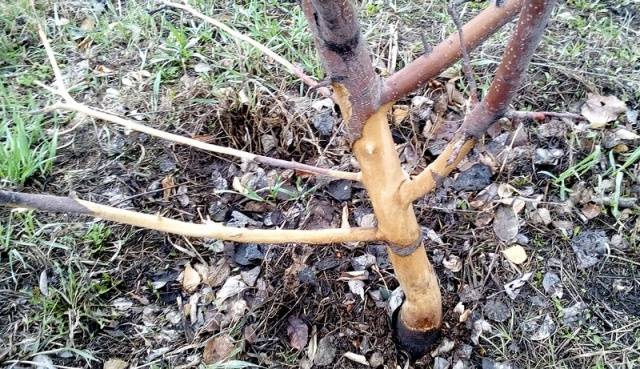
(466, 62)
(135, 126)
(72, 105)
(296, 71)
(541, 115)
(428, 66)
(533, 19)
(71, 205)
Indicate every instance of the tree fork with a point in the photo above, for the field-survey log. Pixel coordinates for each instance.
(357, 87)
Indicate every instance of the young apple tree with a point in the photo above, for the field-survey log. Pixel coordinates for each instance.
(364, 99)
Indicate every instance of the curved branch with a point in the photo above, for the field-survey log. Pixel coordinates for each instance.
(296, 71)
(512, 69)
(71, 205)
(72, 105)
(447, 52)
(261, 159)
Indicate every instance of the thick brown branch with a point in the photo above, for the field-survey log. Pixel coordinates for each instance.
(345, 56)
(156, 222)
(533, 19)
(428, 66)
(296, 71)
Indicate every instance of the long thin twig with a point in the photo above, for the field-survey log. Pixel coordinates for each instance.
(541, 115)
(71, 104)
(71, 205)
(466, 62)
(298, 72)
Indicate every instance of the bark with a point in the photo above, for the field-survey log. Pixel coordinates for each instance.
(346, 58)
(428, 66)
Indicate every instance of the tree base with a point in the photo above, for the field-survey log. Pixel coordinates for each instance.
(415, 343)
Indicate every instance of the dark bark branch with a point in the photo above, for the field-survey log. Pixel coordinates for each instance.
(55, 204)
(346, 58)
(428, 66)
(533, 19)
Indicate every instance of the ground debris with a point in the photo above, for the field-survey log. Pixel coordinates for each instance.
(589, 246)
(326, 351)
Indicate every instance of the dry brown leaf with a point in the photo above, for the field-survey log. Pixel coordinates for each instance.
(591, 210)
(190, 279)
(625, 134)
(167, 186)
(400, 112)
(218, 349)
(515, 254)
(600, 110)
(298, 333)
(218, 273)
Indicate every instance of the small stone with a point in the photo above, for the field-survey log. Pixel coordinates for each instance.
(440, 363)
(324, 122)
(326, 264)
(574, 315)
(340, 190)
(589, 246)
(308, 276)
(240, 220)
(475, 178)
(167, 165)
(248, 254)
(363, 262)
(250, 276)
(376, 360)
(218, 211)
(551, 284)
(497, 311)
(326, 351)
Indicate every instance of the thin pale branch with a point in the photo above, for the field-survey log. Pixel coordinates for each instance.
(466, 61)
(296, 71)
(541, 115)
(135, 126)
(512, 69)
(72, 105)
(428, 66)
(71, 205)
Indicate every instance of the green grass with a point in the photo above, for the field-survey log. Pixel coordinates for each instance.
(25, 148)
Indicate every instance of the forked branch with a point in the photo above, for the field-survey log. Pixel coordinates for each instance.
(71, 104)
(218, 231)
(420, 71)
(533, 19)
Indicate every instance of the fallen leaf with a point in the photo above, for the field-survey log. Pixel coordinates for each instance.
(218, 349)
(190, 279)
(400, 112)
(360, 359)
(202, 68)
(599, 110)
(357, 288)
(115, 364)
(506, 223)
(546, 329)
(591, 210)
(298, 333)
(513, 288)
(625, 134)
(453, 263)
(233, 286)
(167, 186)
(515, 254)
(218, 273)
